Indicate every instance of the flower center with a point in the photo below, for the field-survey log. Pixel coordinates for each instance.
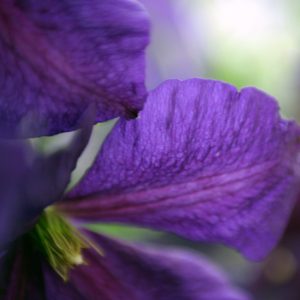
(60, 243)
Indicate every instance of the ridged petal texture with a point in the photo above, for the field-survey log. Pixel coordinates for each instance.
(204, 161)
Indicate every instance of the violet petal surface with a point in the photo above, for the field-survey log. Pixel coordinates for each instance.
(29, 182)
(203, 161)
(58, 57)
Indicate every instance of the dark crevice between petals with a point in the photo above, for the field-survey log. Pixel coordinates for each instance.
(131, 114)
(22, 276)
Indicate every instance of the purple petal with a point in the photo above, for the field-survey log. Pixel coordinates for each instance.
(15, 158)
(21, 278)
(50, 175)
(130, 272)
(60, 56)
(204, 161)
(31, 182)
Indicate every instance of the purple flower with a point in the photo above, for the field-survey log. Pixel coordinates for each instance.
(58, 57)
(203, 160)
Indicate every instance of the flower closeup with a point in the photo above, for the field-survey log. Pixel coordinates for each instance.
(195, 158)
(188, 165)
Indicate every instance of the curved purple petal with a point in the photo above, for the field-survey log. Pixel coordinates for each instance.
(30, 182)
(128, 272)
(60, 56)
(204, 161)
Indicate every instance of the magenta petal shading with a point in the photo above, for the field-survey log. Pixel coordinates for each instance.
(203, 161)
(57, 57)
(131, 272)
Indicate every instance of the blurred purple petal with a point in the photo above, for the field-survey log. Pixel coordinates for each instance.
(30, 182)
(135, 273)
(176, 50)
(60, 56)
(204, 161)
(50, 175)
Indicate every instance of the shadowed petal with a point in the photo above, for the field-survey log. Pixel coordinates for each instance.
(50, 175)
(204, 161)
(30, 182)
(131, 272)
(21, 275)
(2, 270)
(60, 56)
(15, 159)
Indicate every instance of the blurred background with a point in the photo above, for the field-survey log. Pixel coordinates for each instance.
(243, 42)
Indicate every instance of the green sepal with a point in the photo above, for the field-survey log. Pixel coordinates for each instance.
(59, 242)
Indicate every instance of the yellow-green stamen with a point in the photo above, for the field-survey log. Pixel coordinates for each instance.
(59, 242)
